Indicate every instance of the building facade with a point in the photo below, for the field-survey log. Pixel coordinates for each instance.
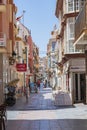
(52, 60)
(7, 39)
(35, 62)
(43, 68)
(71, 59)
(81, 38)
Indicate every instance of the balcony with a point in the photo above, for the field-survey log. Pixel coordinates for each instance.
(2, 39)
(25, 38)
(81, 28)
(2, 5)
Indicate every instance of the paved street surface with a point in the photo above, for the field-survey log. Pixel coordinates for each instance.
(40, 113)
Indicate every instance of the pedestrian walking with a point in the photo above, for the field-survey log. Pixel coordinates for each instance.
(35, 86)
(45, 85)
(38, 84)
(26, 93)
(41, 84)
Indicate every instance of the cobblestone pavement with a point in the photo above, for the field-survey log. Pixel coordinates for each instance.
(40, 113)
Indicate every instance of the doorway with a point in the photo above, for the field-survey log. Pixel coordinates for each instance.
(79, 87)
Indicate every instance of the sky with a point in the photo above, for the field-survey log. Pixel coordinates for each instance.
(39, 17)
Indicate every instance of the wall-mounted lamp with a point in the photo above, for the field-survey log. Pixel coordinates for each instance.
(13, 54)
(12, 58)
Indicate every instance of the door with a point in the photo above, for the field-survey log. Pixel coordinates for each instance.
(82, 87)
(79, 87)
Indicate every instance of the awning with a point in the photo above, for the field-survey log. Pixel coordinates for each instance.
(13, 82)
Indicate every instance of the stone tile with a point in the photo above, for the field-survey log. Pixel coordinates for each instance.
(41, 114)
(55, 128)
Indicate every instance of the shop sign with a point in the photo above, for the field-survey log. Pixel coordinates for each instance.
(21, 67)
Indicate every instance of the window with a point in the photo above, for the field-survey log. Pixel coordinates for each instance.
(49, 62)
(82, 2)
(73, 5)
(53, 46)
(71, 28)
(71, 47)
(17, 47)
(77, 4)
(71, 31)
(70, 5)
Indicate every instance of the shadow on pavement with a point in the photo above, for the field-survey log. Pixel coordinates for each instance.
(47, 124)
(42, 101)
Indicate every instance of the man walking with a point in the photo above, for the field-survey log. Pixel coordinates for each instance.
(26, 93)
(38, 84)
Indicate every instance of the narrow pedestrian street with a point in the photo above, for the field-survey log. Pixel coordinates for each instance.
(40, 113)
(43, 65)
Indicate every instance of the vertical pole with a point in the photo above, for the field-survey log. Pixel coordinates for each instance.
(0, 124)
(75, 8)
(23, 36)
(24, 80)
(1, 79)
(86, 75)
(23, 22)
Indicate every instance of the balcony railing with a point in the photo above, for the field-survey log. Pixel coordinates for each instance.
(2, 39)
(81, 22)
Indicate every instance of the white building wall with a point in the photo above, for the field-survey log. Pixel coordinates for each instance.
(71, 85)
(59, 23)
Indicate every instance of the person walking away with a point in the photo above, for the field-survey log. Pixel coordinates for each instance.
(38, 84)
(45, 83)
(41, 84)
(26, 93)
(36, 89)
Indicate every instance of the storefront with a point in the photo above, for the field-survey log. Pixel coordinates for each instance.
(74, 79)
(77, 82)
(79, 87)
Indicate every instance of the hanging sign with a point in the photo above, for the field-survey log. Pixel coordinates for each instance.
(21, 67)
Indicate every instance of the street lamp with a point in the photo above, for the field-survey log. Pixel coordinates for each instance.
(12, 58)
(13, 54)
